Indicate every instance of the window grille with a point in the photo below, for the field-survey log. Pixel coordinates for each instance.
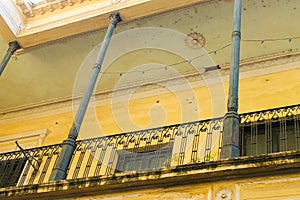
(270, 136)
(10, 171)
(144, 160)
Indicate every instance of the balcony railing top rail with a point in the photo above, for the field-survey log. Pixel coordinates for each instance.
(270, 114)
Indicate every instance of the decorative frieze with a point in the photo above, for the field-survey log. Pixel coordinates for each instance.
(30, 9)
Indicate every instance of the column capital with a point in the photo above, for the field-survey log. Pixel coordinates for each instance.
(13, 46)
(115, 18)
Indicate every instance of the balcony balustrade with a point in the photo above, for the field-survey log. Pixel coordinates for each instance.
(270, 131)
(262, 132)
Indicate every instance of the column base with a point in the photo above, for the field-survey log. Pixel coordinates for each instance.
(61, 166)
(230, 141)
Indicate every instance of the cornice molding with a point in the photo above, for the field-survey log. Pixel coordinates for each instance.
(76, 13)
(52, 6)
(266, 60)
(249, 68)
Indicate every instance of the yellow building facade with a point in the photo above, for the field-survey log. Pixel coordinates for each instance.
(154, 126)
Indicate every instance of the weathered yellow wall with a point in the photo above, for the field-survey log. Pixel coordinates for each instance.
(271, 188)
(256, 93)
(269, 91)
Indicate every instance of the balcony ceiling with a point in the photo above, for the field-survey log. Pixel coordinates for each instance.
(55, 46)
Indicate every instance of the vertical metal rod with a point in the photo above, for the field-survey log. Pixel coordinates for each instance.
(60, 169)
(13, 46)
(230, 142)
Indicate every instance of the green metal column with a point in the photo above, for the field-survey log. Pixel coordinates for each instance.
(13, 46)
(60, 169)
(230, 142)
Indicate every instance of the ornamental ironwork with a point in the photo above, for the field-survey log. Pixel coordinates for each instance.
(270, 131)
(262, 132)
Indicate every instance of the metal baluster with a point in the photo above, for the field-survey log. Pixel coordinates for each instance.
(121, 159)
(283, 140)
(109, 168)
(243, 144)
(2, 169)
(24, 175)
(268, 138)
(18, 170)
(297, 132)
(90, 159)
(33, 175)
(8, 170)
(46, 165)
(181, 155)
(158, 150)
(101, 157)
(195, 145)
(208, 142)
(220, 139)
(82, 150)
(135, 149)
(170, 149)
(285, 135)
(253, 138)
(28, 165)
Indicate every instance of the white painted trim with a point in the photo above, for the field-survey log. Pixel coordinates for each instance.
(237, 192)
(32, 139)
(209, 195)
(11, 16)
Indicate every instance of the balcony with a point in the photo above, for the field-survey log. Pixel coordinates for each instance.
(170, 147)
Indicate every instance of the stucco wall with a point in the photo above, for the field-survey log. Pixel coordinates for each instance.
(271, 187)
(159, 106)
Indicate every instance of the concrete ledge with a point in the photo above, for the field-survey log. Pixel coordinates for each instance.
(229, 169)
